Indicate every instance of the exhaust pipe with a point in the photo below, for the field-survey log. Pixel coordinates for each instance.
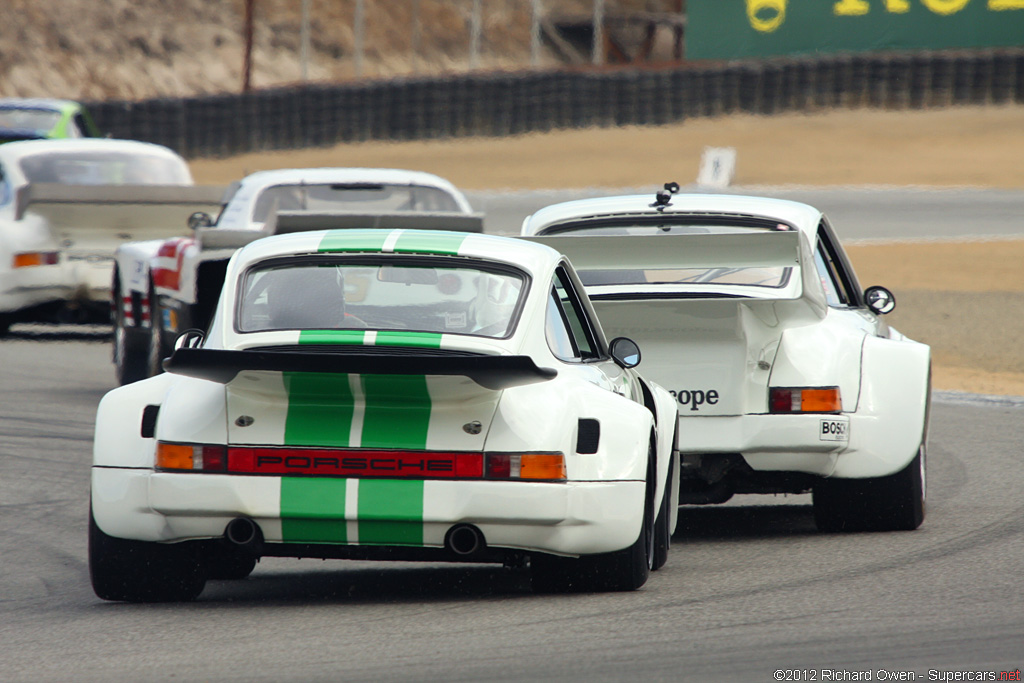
(243, 532)
(464, 539)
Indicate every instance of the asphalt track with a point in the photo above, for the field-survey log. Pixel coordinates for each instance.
(749, 588)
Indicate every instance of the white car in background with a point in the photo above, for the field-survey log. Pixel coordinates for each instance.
(65, 205)
(163, 287)
(387, 394)
(787, 378)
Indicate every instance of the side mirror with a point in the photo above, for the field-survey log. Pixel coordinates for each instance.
(189, 339)
(199, 219)
(880, 300)
(625, 352)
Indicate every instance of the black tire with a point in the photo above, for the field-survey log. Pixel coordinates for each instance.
(5, 324)
(663, 523)
(893, 503)
(227, 564)
(623, 570)
(138, 571)
(131, 345)
(156, 350)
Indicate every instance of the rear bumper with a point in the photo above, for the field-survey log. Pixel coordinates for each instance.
(75, 282)
(574, 518)
(770, 443)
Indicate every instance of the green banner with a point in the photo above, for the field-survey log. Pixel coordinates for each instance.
(729, 29)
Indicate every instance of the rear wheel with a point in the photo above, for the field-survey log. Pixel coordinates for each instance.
(663, 523)
(139, 571)
(155, 352)
(623, 570)
(5, 324)
(893, 503)
(131, 345)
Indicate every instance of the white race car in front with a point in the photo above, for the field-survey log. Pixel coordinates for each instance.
(387, 394)
(65, 206)
(786, 376)
(163, 287)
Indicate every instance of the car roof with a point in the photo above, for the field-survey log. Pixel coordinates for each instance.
(802, 216)
(532, 257)
(26, 148)
(256, 182)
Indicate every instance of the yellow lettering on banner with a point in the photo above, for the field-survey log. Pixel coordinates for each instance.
(857, 8)
(1000, 5)
(945, 6)
(851, 8)
(766, 15)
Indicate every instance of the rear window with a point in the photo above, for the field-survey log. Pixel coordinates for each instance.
(356, 197)
(775, 277)
(41, 121)
(105, 168)
(408, 294)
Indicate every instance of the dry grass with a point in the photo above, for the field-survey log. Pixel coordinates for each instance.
(945, 147)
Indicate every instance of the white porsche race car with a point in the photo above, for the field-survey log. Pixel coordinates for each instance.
(786, 377)
(387, 394)
(166, 286)
(65, 206)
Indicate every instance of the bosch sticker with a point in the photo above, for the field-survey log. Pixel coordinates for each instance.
(834, 430)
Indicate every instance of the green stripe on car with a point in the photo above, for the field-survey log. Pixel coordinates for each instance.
(331, 336)
(353, 240)
(426, 242)
(397, 413)
(313, 510)
(320, 409)
(426, 340)
(391, 512)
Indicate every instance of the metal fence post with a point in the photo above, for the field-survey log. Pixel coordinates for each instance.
(359, 30)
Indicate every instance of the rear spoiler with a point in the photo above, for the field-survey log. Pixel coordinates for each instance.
(619, 253)
(285, 222)
(50, 194)
(490, 372)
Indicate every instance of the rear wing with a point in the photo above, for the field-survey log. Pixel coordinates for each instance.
(77, 200)
(302, 221)
(95, 219)
(490, 372)
(614, 256)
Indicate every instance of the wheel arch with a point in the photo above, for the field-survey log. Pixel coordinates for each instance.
(891, 419)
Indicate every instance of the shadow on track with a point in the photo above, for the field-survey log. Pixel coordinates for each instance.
(59, 333)
(389, 584)
(747, 521)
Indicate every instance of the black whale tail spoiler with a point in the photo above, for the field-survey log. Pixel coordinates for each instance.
(490, 372)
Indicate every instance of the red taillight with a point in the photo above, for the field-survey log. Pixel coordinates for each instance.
(804, 400)
(535, 466)
(191, 457)
(36, 258)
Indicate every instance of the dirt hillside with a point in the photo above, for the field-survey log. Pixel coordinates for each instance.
(137, 49)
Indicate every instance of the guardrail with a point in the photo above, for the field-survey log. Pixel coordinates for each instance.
(503, 104)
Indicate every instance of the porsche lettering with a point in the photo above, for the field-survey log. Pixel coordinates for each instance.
(353, 465)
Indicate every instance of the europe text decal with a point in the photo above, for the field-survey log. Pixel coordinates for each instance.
(726, 29)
